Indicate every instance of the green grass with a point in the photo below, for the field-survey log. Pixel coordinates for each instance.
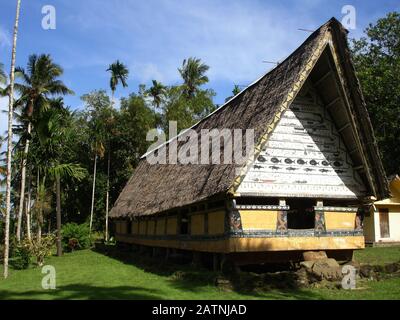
(378, 255)
(90, 275)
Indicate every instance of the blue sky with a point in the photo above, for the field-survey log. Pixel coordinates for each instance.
(153, 37)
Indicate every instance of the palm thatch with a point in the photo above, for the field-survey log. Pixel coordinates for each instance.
(156, 188)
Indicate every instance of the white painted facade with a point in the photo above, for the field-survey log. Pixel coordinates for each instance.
(304, 157)
(373, 222)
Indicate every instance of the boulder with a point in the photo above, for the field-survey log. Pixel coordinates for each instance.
(314, 255)
(307, 264)
(327, 269)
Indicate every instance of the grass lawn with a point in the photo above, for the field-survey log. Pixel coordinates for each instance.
(91, 275)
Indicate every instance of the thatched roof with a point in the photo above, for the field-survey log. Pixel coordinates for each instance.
(157, 188)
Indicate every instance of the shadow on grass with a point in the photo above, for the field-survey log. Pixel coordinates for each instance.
(184, 276)
(85, 292)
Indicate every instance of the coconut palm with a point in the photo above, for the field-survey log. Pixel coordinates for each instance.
(9, 143)
(157, 92)
(119, 74)
(193, 74)
(39, 82)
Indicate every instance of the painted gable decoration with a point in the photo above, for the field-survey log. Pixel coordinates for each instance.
(304, 157)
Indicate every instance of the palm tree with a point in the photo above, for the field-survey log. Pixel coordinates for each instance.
(157, 92)
(39, 82)
(193, 74)
(9, 143)
(98, 150)
(54, 130)
(119, 73)
(236, 90)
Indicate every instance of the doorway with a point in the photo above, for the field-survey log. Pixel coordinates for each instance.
(384, 223)
(301, 214)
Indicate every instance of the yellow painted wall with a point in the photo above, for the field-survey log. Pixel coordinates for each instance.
(172, 225)
(197, 224)
(135, 227)
(160, 226)
(216, 222)
(256, 244)
(150, 227)
(258, 219)
(340, 220)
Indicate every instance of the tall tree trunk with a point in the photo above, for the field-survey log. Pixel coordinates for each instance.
(108, 175)
(28, 209)
(39, 214)
(93, 190)
(108, 190)
(58, 200)
(9, 143)
(23, 178)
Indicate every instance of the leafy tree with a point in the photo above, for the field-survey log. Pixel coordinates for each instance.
(377, 61)
(98, 114)
(186, 111)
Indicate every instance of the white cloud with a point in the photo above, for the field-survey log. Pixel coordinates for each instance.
(5, 38)
(231, 37)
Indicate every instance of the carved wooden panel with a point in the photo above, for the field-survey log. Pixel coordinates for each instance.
(304, 157)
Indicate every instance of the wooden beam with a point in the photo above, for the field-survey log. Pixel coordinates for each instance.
(326, 75)
(333, 102)
(353, 150)
(344, 127)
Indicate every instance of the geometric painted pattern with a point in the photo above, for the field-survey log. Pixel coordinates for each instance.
(304, 157)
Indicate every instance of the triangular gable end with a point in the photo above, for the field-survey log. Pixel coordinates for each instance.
(339, 168)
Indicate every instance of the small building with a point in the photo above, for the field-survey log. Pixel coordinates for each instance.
(314, 169)
(382, 222)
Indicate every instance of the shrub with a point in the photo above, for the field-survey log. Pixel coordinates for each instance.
(75, 236)
(21, 257)
(40, 249)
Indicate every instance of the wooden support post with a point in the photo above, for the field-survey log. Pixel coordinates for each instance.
(166, 254)
(196, 261)
(216, 267)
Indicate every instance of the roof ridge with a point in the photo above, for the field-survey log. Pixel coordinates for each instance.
(226, 104)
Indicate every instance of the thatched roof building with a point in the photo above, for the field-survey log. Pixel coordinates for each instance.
(322, 61)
